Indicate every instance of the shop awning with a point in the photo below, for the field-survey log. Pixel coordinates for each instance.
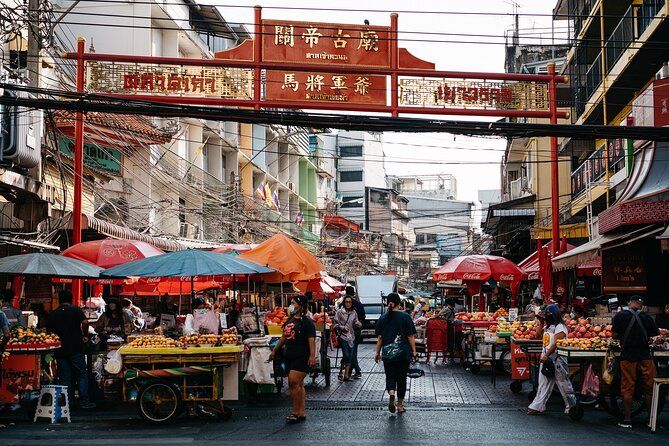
(29, 243)
(591, 250)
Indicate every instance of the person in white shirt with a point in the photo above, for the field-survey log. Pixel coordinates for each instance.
(201, 320)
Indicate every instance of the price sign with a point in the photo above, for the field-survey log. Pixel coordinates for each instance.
(520, 363)
(513, 314)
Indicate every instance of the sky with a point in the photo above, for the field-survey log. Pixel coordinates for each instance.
(430, 30)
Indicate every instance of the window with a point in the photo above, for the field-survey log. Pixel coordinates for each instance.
(352, 202)
(351, 151)
(350, 176)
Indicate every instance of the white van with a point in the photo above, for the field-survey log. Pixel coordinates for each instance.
(371, 292)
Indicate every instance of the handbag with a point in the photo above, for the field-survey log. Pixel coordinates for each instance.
(415, 370)
(393, 351)
(548, 368)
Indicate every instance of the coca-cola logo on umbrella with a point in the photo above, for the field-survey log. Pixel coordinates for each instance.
(471, 276)
(507, 277)
(597, 272)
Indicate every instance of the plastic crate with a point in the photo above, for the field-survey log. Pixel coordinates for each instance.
(274, 329)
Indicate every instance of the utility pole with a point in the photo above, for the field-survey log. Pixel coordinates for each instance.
(34, 44)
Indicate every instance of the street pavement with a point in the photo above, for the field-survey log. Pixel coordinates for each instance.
(447, 406)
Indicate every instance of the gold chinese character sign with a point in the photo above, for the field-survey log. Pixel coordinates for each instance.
(325, 87)
(325, 43)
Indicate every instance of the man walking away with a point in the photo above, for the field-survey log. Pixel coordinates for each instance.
(360, 310)
(14, 315)
(634, 328)
(69, 323)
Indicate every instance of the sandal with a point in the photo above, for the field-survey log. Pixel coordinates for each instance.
(534, 412)
(293, 418)
(401, 409)
(391, 404)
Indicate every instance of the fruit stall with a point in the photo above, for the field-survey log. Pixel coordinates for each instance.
(590, 357)
(26, 365)
(164, 376)
(480, 342)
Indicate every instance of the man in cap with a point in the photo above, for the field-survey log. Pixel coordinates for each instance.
(634, 328)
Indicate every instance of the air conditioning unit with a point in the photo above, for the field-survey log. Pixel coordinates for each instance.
(292, 187)
(21, 139)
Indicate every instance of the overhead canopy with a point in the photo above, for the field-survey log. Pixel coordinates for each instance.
(43, 264)
(591, 250)
(291, 261)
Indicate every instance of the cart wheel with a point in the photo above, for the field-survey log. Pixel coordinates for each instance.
(532, 395)
(225, 414)
(614, 405)
(159, 402)
(504, 363)
(475, 369)
(576, 412)
(467, 364)
(327, 370)
(516, 386)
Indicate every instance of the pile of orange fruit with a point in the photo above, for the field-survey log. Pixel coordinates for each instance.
(277, 316)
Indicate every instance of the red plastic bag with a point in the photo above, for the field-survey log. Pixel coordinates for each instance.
(590, 385)
(333, 339)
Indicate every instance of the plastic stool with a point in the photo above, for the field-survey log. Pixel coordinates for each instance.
(53, 404)
(657, 384)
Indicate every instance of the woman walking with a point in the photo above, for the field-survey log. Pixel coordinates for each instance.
(299, 334)
(345, 322)
(553, 331)
(395, 345)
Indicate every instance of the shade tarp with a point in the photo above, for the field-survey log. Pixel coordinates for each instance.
(190, 262)
(290, 260)
(170, 287)
(43, 264)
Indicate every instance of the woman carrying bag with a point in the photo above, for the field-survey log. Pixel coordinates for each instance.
(299, 334)
(345, 323)
(554, 369)
(395, 345)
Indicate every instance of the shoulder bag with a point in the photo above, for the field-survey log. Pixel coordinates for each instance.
(395, 351)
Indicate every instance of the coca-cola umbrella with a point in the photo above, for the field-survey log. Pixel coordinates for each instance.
(110, 252)
(474, 270)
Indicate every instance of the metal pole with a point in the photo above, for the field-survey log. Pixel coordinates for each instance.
(555, 180)
(78, 164)
(257, 56)
(394, 65)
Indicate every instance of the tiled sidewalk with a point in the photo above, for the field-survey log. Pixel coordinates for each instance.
(442, 384)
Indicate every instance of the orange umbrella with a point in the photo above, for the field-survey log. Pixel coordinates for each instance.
(291, 261)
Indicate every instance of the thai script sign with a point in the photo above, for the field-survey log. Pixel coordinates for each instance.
(171, 80)
(96, 157)
(473, 94)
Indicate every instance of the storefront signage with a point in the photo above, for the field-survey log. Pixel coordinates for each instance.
(170, 80)
(324, 87)
(473, 94)
(19, 372)
(520, 363)
(96, 157)
(616, 154)
(326, 43)
(624, 270)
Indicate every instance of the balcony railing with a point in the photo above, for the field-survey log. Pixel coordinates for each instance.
(647, 11)
(581, 11)
(593, 77)
(620, 39)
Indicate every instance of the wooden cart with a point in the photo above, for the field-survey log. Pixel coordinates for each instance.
(164, 381)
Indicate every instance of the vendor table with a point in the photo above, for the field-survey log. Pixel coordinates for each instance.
(609, 397)
(162, 380)
(23, 373)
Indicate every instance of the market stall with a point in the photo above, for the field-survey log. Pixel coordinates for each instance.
(164, 376)
(26, 365)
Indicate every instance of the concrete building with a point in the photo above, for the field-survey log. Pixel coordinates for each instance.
(360, 164)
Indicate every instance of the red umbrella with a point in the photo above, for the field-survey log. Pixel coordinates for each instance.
(235, 247)
(476, 269)
(111, 252)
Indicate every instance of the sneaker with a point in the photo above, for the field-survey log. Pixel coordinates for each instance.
(87, 406)
(391, 403)
(625, 424)
(357, 375)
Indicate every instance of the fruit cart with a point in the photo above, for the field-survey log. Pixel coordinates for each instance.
(163, 379)
(609, 396)
(23, 370)
(525, 358)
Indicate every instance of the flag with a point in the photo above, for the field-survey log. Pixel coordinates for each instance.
(299, 219)
(268, 196)
(275, 200)
(200, 149)
(260, 191)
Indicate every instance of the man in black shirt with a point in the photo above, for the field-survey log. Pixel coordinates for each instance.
(634, 328)
(69, 323)
(360, 310)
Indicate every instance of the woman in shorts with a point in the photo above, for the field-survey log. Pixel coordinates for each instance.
(299, 335)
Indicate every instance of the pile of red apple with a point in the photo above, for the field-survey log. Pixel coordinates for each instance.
(584, 329)
(480, 316)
